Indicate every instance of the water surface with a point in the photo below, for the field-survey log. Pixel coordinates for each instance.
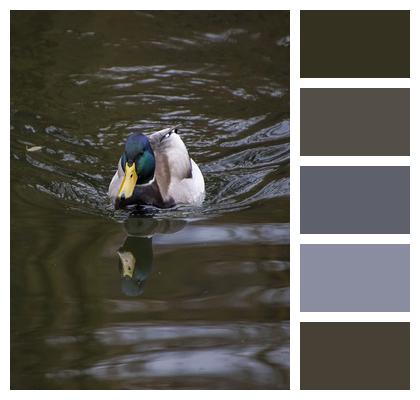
(206, 304)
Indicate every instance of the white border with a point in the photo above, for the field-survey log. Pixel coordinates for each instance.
(354, 160)
(294, 201)
(295, 82)
(354, 83)
(297, 239)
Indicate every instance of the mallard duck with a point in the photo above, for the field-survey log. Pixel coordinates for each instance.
(156, 170)
(136, 253)
(135, 264)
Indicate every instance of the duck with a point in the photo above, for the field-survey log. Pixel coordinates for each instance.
(156, 170)
(136, 253)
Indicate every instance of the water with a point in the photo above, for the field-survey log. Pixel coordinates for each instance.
(206, 304)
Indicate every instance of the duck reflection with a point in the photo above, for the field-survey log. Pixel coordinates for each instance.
(136, 254)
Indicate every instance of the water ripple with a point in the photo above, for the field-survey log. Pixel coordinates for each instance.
(215, 308)
(230, 119)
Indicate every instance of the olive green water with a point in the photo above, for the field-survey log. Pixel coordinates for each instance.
(207, 304)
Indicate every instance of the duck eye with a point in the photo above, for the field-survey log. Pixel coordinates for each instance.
(167, 135)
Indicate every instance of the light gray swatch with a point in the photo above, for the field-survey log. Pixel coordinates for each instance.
(349, 200)
(352, 278)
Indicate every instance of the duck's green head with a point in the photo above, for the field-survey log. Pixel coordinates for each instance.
(138, 164)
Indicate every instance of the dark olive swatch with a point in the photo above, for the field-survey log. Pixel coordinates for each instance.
(355, 122)
(355, 355)
(355, 44)
(353, 200)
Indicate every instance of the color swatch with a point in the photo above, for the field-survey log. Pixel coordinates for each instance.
(355, 200)
(352, 123)
(355, 44)
(355, 122)
(355, 278)
(355, 355)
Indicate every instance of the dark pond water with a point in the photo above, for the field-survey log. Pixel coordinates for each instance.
(208, 302)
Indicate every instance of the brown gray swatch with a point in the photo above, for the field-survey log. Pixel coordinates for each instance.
(354, 200)
(355, 122)
(355, 277)
(355, 355)
(355, 44)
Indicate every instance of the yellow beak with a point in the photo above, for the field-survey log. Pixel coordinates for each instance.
(129, 182)
(128, 262)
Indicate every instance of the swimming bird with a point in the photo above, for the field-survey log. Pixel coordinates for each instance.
(156, 170)
(136, 253)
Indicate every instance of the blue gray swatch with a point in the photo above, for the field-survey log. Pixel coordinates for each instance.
(355, 200)
(360, 277)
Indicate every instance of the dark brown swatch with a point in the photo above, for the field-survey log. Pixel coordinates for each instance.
(355, 355)
(355, 122)
(355, 44)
